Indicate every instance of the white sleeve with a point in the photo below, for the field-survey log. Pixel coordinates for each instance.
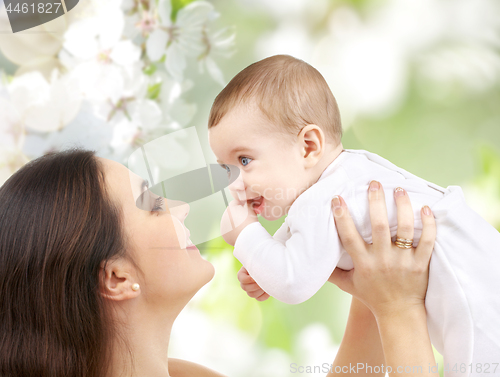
(292, 272)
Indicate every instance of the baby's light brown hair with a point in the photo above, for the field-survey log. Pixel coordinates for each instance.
(288, 91)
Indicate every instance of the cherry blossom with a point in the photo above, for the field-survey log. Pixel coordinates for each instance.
(180, 39)
(43, 105)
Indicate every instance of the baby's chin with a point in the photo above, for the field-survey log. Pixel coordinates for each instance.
(270, 215)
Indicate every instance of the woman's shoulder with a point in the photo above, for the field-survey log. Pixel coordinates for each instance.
(183, 368)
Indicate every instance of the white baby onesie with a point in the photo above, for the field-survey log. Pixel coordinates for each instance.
(463, 295)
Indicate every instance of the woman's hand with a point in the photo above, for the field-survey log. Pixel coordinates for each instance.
(392, 283)
(385, 278)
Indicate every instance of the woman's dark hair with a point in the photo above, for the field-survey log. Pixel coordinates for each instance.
(57, 225)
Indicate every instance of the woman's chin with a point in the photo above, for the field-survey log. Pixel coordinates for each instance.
(208, 271)
(211, 269)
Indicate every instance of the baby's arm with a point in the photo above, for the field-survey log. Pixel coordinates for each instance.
(247, 283)
(294, 271)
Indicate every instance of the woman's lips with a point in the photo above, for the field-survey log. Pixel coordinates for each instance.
(190, 245)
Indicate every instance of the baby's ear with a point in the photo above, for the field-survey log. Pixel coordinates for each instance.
(312, 143)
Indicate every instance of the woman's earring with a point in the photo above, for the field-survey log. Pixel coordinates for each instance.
(135, 287)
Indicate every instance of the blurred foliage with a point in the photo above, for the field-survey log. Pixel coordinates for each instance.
(436, 140)
(488, 177)
(178, 5)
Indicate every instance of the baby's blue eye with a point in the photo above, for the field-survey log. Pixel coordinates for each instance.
(245, 160)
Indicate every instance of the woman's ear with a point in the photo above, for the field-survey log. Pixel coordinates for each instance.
(117, 280)
(312, 144)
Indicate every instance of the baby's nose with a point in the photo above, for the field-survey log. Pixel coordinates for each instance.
(237, 185)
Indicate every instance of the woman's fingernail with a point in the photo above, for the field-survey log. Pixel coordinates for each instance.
(374, 186)
(399, 191)
(336, 202)
(427, 210)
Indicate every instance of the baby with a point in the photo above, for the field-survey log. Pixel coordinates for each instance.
(278, 123)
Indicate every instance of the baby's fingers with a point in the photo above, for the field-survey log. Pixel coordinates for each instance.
(263, 297)
(256, 294)
(244, 277)
(250, 287)
(349, 236)
(426, 243)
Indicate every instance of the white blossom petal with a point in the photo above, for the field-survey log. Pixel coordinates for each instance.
(222, 40)
(176, 61)
(124, 133)
(194, 15)
(28, 90)
(100, 82)
(214, 70)
(165, 12)
(156, 45)
(43, 64)
(85, 130)
(146, 113)
(111, 28)
(80, 39)
(55, 108)
(125, 53)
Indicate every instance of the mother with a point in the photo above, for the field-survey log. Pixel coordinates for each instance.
(90, 284)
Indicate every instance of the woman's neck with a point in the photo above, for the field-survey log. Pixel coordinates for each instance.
(148, 336)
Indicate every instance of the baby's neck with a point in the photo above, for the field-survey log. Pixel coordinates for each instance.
(331, 153)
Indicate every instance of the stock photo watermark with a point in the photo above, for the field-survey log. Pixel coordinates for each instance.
(27, 14)
(401, 369)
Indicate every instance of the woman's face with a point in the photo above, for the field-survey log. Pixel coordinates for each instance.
(157, 239)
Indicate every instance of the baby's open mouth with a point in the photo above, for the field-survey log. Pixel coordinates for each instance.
(256, 204)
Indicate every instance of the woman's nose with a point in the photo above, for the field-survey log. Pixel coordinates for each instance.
(178, 209)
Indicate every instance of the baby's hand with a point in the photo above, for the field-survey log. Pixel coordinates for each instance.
(250, 286)
(235, 218)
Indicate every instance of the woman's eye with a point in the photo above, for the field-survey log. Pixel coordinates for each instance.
(158, 206)
(245, 160)
(226, 168)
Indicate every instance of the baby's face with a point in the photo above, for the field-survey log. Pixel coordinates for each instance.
(272, 173)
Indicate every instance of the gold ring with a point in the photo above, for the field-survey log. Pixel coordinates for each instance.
(404, 240)
(404, 243)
